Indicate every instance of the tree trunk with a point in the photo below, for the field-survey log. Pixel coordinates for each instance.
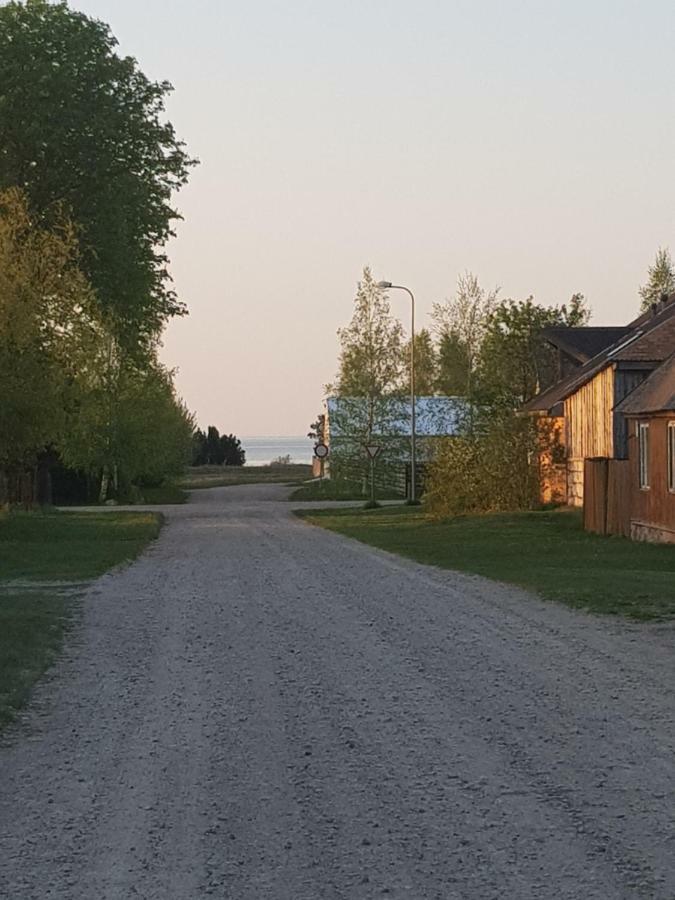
(105, 481)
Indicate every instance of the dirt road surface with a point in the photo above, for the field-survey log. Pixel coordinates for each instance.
(261, 710)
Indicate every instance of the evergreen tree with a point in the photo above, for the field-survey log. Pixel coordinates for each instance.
(233, 453)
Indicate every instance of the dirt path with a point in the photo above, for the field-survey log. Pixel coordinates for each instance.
(261, 710)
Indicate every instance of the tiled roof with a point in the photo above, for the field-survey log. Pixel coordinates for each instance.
(655, 394)
(586, 342)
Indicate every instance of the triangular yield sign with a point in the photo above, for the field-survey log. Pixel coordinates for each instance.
(372, 450)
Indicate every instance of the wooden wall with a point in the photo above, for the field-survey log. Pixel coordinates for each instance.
(589, 420)
(589, 429)
(653, 510)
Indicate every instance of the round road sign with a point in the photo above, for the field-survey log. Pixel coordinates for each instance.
(320, 451)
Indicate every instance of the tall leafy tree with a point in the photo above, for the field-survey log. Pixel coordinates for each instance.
(371, 345)
(47, 319)
(461, 323)
(426, 364)
(515, 361)
(660, 279)
(453, 365)
(83, 126)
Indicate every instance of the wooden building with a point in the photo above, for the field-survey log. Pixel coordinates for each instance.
(585, 402)
(650, 414)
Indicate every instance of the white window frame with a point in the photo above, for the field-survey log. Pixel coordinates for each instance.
(670, 432)
(643, 455)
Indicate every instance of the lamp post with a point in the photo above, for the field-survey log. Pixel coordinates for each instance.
(388, 286)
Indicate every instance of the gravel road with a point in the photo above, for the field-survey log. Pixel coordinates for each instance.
(261, 710)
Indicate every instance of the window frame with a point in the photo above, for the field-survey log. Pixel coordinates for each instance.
(670, 452)
(643, 455)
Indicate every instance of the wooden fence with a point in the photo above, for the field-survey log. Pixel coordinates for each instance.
(607, 496)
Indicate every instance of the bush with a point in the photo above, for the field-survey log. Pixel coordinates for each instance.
(493, 468)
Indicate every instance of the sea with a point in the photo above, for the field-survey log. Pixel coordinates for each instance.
(262, 450)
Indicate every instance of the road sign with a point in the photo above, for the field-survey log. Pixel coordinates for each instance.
(320, 450)
(373, 450)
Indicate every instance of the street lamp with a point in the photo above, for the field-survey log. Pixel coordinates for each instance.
(388, 286)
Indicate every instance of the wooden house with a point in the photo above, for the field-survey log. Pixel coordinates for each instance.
(583, 405)
(650, 415)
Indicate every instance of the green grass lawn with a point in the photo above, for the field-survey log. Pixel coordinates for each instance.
(330, 489)
(199, 477)
(546, 552)
(36, 549)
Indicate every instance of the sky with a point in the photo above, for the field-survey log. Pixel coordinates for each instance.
(531, 143)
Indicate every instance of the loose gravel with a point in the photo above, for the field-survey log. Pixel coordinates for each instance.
(258, 709)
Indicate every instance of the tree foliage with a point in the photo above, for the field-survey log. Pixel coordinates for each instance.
(660, 279)
(210, 448)
(371, 345)
(515, 362)
(46, 324)
(495, 462)
(426, 364)
(461, 324)
(83, 127)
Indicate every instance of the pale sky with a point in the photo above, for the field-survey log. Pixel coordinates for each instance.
(532, 143)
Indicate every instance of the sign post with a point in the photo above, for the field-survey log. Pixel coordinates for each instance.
(321, 452)
(373, 451)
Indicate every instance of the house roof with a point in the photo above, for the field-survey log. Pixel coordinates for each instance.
(655, 394)
(649, 340)
(434, 416)
(585, 342)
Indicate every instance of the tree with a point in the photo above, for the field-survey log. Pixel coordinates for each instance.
(199, 454)
(317, 430)
(453, 365)
(371, 345)
(426, 364)
(462, 323)
(85, 127)
(515, 362)
(127, 426)
(233, 453)
(47, 318)
(214, 449)
(489, 467)
(370, 376)
(660, 279)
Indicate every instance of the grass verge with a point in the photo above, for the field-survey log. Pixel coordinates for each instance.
(37, 551)
(546, 552)
(330, 489)
(200, 477)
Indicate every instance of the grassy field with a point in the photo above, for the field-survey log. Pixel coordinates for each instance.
(36, 553)
(223, 476)
(331, 489)
(546, 552)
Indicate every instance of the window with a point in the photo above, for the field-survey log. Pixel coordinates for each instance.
(671, 456)
(643, 454)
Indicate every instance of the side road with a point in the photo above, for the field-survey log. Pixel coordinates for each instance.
(258, 709)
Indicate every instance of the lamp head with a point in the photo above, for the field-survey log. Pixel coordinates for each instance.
(384, 285)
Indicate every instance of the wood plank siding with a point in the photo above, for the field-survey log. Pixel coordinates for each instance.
(653, 507)
(588, 414)
(589, 427)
